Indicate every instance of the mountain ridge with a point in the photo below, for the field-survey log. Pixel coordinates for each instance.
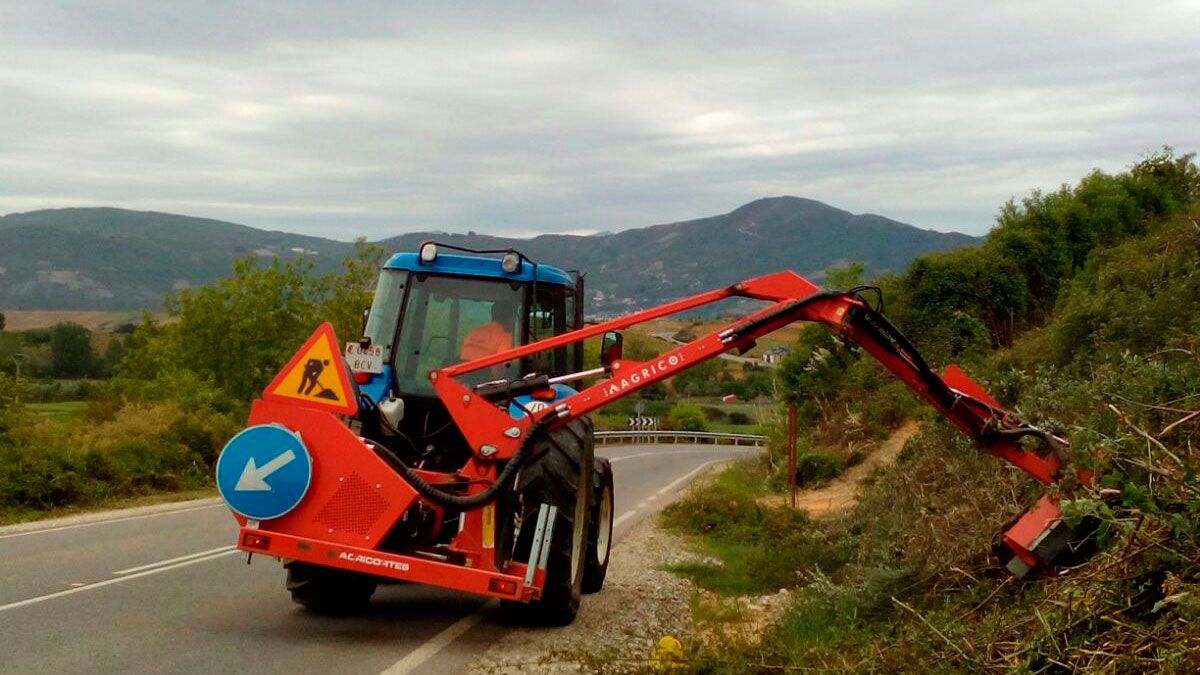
(107, 258)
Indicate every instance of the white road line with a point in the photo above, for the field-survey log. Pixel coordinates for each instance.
(623, 517)
(109, 582)
(160, 563)
(417, 657)
(111, 520)
(682, 479)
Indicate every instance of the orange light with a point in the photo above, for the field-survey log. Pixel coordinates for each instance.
(545, 394)
(502, 586)
(258, 541)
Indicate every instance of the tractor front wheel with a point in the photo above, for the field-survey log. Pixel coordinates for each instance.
(600, 541)
(558, 474)
(328, 590)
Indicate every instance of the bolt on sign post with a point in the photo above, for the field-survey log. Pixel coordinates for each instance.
(792, 433)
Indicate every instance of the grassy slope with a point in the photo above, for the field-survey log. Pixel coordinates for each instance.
(1118, 368)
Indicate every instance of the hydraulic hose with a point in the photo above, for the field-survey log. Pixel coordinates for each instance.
(455, 502)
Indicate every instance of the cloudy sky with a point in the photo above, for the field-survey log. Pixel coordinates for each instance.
(341, 119)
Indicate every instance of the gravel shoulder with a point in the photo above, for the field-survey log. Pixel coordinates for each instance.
(617, 629)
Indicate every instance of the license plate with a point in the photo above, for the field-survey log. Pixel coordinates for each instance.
(368, 360)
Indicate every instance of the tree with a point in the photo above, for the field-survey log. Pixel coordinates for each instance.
(236, 334)
(844, 278)
(71, 353)
(2, 321)
(347, 294)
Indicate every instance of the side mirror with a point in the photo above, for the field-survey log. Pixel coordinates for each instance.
(612, 346)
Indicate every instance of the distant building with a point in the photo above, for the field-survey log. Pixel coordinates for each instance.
(775, 355)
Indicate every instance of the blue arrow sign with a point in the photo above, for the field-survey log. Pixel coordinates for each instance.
(264, 471)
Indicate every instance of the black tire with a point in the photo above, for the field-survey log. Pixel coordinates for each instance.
(600, 541)
(558, 473)
(328, 590)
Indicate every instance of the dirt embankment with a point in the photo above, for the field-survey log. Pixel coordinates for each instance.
(842, 493)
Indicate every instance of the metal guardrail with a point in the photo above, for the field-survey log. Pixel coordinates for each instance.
(693, 437)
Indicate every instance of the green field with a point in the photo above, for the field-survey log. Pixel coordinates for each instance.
(61, 411)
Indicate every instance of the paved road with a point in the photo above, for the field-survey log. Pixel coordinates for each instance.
(164, 592)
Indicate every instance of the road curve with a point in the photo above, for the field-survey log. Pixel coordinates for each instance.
(165, 592)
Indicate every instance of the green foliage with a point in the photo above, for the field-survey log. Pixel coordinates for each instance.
(1106, 352)
(182, 386)
(759, 548)
(143, 449)
(814, 469)
(71, 351)
(702, 379)
(845, 278)
(688, 418)
(238, 332)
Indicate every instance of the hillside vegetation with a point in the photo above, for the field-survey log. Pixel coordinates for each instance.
(181, 388)
(1082, 312)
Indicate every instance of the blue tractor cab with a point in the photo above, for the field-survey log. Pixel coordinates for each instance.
(443, 305)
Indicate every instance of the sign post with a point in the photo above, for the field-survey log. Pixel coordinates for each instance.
(18, 359)
(792, 433)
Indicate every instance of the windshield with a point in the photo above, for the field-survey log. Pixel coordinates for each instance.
(448, 320)
(385, 310)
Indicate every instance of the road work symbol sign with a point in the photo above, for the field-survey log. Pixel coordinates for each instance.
(316, 376)
(264, 471)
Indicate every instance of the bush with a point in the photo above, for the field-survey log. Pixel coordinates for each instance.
(814, 468)
(137, 449)
(688, 418)
(762, 549)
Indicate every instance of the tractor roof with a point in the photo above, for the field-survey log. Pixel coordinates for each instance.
(475, 266)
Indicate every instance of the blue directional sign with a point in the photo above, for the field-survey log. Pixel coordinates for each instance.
(264, 472)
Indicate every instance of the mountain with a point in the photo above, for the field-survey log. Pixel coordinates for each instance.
(114, 259)
(645, 266)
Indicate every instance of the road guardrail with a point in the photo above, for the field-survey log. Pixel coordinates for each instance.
(693, 437)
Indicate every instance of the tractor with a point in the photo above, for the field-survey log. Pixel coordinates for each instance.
(451, 444)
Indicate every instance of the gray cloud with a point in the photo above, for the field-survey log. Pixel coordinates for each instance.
(346, 119)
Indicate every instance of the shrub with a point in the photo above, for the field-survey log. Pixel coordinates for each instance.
(761, 548)
(815, 468)
(688, 418)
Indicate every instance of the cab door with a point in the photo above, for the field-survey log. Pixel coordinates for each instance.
(552, 312)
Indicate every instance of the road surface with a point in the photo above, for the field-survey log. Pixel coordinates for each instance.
(165, 592)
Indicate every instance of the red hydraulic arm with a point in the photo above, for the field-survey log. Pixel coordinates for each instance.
(493, 434)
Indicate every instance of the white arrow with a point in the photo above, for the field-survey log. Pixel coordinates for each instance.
(252, 476)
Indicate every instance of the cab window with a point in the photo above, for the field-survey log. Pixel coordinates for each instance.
(450, 319)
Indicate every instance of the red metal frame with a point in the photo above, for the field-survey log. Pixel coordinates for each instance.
(356, 498)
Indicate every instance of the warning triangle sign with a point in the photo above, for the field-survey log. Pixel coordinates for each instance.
(316, 376)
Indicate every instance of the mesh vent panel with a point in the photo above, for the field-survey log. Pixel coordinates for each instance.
(354, 508)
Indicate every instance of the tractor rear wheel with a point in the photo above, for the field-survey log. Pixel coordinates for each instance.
(328, 590)
(558, 473)
(600, 541)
